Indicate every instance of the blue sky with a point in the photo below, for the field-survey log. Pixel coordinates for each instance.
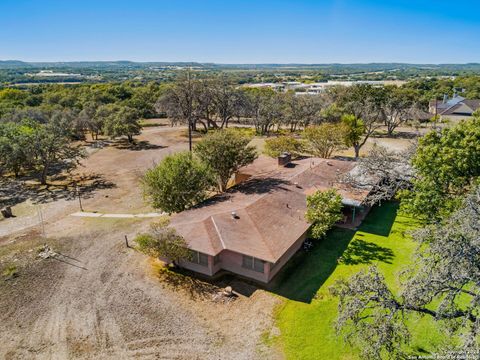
(241, 31)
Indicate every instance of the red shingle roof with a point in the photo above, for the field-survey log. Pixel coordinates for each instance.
(270, 208)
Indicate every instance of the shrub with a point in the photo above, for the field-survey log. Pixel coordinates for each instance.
(274, 147)
(164, 242)
(177, 183)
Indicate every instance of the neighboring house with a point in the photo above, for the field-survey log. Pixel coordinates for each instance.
(257, 226)
(455, 109)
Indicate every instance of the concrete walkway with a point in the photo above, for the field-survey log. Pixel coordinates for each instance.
(126, 216)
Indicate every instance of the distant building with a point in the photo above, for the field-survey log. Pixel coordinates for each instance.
(319, 87)
(455, 109)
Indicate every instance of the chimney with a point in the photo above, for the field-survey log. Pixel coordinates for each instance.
(284, 159)
(445, 98)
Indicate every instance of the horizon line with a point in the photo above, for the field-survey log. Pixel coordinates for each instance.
(240, 63)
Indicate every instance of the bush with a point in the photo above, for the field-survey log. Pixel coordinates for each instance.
(274, 147)
(164, 242)
(177, 183)
(324, 139)
(10, 272)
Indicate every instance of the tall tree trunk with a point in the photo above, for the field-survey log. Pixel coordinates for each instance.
(43, 175)
(357, 150)
(390, 130)
(222, 187)
(204, 125)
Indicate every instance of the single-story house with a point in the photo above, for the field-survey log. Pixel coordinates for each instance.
(455, 109)
(255, 227)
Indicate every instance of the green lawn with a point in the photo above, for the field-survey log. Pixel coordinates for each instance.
(308, 313)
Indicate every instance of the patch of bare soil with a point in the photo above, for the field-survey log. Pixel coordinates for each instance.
(98, 299)
(109, 181)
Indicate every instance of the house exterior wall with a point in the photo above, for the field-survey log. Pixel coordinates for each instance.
(455, 118)
(232, 261)
(285, 257)
(206, 270)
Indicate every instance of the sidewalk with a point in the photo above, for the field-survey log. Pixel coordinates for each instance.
(127, 216)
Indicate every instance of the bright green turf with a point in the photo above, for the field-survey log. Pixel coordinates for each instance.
(307, 316)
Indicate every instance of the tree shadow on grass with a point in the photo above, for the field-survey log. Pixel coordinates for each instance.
(364, 252)
(306, 272)
(380, 219)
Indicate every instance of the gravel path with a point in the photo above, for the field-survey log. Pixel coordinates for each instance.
(116, 216)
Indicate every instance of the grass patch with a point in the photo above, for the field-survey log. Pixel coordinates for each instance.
(306, 318)
(10, 272)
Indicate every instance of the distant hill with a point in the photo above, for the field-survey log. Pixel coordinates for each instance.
(334, 67)
(13, 64)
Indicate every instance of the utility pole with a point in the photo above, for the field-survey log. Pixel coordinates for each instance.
(40, 219)
(189, 134)
(190, 106)
(79, 197)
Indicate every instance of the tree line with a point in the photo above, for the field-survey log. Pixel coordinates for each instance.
(438, 183)
(206, 103)
(40, 127)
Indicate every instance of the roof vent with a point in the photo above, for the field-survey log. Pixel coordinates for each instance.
(234, 215)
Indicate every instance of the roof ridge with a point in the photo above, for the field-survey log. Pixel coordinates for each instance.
(218, 232)
(261, 235)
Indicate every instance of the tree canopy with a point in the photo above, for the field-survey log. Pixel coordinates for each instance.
(121, 121)
(30, 146)
(443, 284)
(224, 152)
(447, 166)
(178, 182)
(323, 211)
(275, 146)
(163, 241)
(324, 139)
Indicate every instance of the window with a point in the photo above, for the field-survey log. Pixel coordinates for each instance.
(249, 262)
(216, 259)
(197, 257)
